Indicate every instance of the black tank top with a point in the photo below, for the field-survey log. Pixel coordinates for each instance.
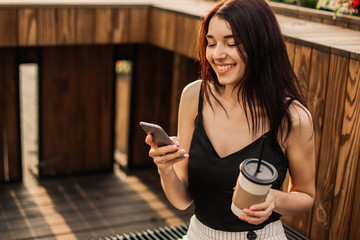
(212, 178)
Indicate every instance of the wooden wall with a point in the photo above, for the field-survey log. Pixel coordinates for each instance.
(163, 54)
(10, 154)
(330, 80)
(76, 109)
(42, 26)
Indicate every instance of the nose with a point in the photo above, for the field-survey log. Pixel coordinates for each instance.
(219, 52)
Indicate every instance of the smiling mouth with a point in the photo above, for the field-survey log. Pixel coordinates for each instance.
(224, 68)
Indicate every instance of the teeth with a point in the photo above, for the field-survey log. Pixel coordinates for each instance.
(226, 67)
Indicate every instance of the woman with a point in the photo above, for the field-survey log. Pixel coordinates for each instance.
(248, 90)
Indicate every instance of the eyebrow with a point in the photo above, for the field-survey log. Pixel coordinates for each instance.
(226, 36)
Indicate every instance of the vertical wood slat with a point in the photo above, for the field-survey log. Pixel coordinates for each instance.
(316, 97)
(2, 126)
(120, 26)
(3, 122)
(9, 114)
(65, 26)
(185, 70)
(84, 26)
(139, 29)
(77, 109)
(162, 29)
(187, 34)
(46, 26)
(55, 108)
(8, 22)
(97, 88)
(27, 27)
(151, 98)
(348, 157)
(301, 64)
(316, 94)
(102, 25)
(111, 25)
(354, 232)
(290, 47)
(330, 141)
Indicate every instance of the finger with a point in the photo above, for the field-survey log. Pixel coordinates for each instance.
(175, 140)
(150, 141)
(257, 213)
(252, 219)
(164, 156)
(166, 162)
(163, 151)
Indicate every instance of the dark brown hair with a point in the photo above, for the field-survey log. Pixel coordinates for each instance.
(269, 78)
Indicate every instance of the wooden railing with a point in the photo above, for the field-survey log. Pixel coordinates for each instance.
(161, 39)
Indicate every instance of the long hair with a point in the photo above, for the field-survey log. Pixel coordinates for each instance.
(269, 78)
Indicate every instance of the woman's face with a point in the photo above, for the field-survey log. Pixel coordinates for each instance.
(223, 54)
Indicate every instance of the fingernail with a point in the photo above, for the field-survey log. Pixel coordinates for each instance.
(246, 211)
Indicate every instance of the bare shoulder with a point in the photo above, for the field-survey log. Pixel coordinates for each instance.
(190, 96)
(302, 123)
(301, 116)
(187, 113)
(192, 90)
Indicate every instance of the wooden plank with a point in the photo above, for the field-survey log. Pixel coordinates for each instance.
(10, 126)
(290, 46)
(318, 78)
(162, 29)
(106, 103)
(27, 27)
(66, 26)
(77, 109)
(12, 115)
(46, 23)
(348, 157)
(139, 21)
(330, 144)
(84, 26)
(302, 63)
(316, 96)
(120, 26)
(97, 86)
(153, 81)
(186, 36)
(112, 25)
(102, 25)
(85, 206)
(56, 110)
(3, 100)
(8, 37)
(354, 232)
(185, 70)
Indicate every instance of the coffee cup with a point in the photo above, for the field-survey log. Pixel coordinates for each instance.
(253, 184)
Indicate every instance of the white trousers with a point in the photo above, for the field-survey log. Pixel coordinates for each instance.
(199, 231)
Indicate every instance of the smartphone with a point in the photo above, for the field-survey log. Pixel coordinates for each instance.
(159, 135)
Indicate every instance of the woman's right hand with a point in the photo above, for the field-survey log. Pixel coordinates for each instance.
(165, 157)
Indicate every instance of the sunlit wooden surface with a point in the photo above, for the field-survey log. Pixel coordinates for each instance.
(85, 206)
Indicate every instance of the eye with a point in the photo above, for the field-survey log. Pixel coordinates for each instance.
(231, 44)
(211, 44)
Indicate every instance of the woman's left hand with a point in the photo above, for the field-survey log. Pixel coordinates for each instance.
(259, 213)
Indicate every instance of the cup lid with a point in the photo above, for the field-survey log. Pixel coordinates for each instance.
(266, 176)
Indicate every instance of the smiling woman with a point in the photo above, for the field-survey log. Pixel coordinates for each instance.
(248, 91)
(223, 54)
